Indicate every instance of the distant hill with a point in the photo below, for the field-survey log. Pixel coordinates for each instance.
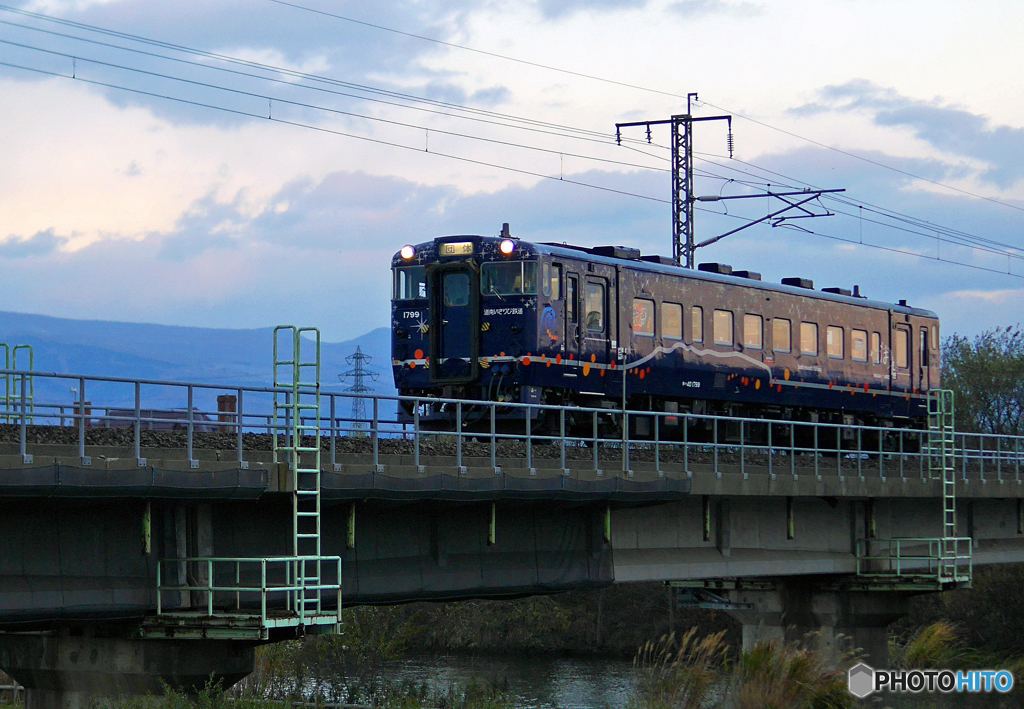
(221, 357)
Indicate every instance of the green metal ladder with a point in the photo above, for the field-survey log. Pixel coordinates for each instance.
(300, 578)
(12, 383)
(297, 442)
(941, 466)
(947, 560)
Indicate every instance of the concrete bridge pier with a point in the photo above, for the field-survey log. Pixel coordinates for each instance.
(814, 613)
(73, 672)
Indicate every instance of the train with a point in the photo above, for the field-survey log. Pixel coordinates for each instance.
(495, 318)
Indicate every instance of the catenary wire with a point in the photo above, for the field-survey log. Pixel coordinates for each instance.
(295, 73)
(335, 111)
(333, 132)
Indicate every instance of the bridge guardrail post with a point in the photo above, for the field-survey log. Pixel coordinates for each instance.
(459, 467)
(685, 420)
(86, 460)
(416, 435)
(743, 453)
(597, 467)
(714, 432)
(23, 422)
(561, 440)
(657, 445)
(529, 440)
(494, 439)
(375, 434)
(333, 429)
(238, 433)
(137, 426)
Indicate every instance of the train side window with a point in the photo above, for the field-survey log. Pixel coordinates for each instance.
(753, 331)
(834, 344)
(672, 321)
(643, 317)
(697, 323)
(781, 335)
(935, 337)
(571, 289)
(860, 345)
(876, 348)
(595, 307)
(550, 280)
(924, 347)
(902, 349)
(722, 325)
(809, 339)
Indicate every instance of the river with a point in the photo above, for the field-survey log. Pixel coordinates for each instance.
(537, 682)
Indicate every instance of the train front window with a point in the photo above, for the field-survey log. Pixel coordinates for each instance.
(410, 283)
(513, 278)
(456, 289)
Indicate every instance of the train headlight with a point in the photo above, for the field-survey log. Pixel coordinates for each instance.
(407, 252)
(507, 246)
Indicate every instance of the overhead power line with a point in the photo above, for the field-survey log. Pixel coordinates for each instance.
(300, 104)
(331, 131)
(649, 90)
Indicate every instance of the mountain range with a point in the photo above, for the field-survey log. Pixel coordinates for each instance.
(221, 357)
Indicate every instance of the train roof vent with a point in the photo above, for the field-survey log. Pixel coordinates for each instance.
(663, 260)
(752, 275)
(616, 252)
(798, 282)
(722, 268)
(838, 291)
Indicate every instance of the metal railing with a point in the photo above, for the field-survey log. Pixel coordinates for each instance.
(246, 588)
(946, 561)
(604, 440)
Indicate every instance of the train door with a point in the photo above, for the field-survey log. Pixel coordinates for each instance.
(571, 339)
(598, 319)
(923, 358)
(901, 365)
(455, 328)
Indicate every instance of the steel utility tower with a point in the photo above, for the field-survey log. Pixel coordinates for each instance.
(684, 243)
(358, 374)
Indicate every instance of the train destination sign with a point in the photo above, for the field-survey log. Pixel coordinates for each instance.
(457, 248)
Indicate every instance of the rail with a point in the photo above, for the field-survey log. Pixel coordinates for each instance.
(608, 440)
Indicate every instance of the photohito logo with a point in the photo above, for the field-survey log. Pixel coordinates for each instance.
(862, 680)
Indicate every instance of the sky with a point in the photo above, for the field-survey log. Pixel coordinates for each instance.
(248, 164)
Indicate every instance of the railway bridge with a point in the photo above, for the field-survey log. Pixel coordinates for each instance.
(161, 530)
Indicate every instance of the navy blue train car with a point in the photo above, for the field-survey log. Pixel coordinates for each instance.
(496, 318)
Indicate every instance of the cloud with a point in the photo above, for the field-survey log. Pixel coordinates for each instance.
(948, 128)
(40, 244)
(704, 8)
(559, 8)
(993, 296)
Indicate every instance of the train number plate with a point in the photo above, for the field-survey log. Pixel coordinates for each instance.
(457, 248)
